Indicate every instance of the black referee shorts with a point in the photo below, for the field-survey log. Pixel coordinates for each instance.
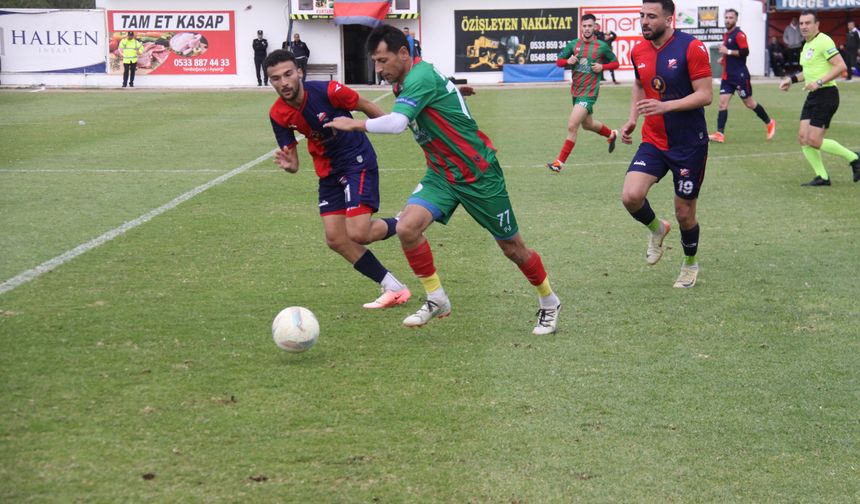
(820, 106)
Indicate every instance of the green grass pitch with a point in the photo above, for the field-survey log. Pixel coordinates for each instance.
(144, 370)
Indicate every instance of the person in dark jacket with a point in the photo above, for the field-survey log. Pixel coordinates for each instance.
(776, 51)
(302, 53)
(609, 38)
(852, 44)
(261, 47)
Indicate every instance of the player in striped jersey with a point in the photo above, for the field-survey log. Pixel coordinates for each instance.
(589, 57)
(462, 169)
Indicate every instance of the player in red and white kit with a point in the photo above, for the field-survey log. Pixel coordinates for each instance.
(672, 87)
(736, 78)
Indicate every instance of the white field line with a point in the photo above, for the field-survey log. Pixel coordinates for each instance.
(710, 158)
(67, 256)
(206, 170)
(624, 161)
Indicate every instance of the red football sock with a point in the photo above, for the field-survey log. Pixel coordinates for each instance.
(605, 131)
(533, 269)
(565, 150)
(420, 259)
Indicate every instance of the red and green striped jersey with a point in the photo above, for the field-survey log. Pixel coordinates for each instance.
(586, 82)
(442, 125)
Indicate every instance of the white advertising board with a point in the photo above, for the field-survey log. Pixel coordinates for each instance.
(64, 41)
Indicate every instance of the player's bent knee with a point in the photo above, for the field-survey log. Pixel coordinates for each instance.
(358, 231)
(515, 250)
(632, 199)
(337, 243)
(361, 236)
(686, 215)
(408, 231)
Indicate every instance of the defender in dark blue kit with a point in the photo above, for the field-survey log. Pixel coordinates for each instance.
(344, 161)
(672, 87)
(736, 78)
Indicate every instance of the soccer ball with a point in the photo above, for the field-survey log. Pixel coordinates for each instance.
(295, 329)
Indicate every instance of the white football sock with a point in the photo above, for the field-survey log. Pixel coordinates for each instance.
(390, 283)
(549, 302)
(438, 296)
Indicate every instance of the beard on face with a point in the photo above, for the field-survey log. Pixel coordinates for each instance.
(655, 34)
(288, 94)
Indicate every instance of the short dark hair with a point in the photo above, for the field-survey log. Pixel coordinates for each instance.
(393, 38)
(277, 57)
(668, 5)
(131, 33)
(732, 10)
(586, 17)
(812, 13)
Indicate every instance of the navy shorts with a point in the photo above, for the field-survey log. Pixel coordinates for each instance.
(687, 165)
(354, 192)
(739, 85)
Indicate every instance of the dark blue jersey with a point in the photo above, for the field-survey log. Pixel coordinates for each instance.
(735, 67)
(333, 151)
(667, 74)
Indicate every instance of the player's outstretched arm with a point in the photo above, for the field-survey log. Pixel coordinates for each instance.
(287, 158)
(392, 124)
(346, 124)
(636, 95)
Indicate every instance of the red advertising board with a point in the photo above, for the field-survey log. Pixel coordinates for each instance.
(176, 42)
(624, 21)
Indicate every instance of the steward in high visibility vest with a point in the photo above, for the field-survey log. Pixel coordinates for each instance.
(130, 48)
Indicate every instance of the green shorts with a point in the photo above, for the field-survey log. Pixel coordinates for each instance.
(585, 101)
(486, 200)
